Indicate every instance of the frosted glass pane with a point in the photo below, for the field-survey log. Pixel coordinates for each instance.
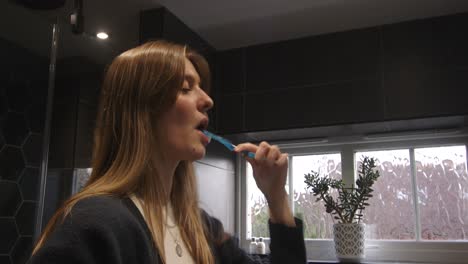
(317, 223)
(390, 215)
(442, 192)
(257, 208)
(80, 178)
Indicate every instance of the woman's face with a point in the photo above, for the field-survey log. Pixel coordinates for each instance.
(182, 123)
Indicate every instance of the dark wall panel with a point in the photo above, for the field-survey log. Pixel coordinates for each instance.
(230, 110)
(151, 24)
(229, 71)
(84, 135)
(407, 70)
(175, 30)
(325, 59)
(426, 67)
(314, 106)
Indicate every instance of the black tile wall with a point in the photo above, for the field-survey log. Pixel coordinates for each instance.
(11, 163)
(32, 150)
(2, 143)
(28, 184)
(18, 95)
(35, 116)
(5, 259)
(14, 128)
(22, 250)
(9, 234)
(11, 198)
(23, 94)
(3, 99)
(25, 218)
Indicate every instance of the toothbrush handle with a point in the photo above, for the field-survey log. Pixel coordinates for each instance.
(249, 154)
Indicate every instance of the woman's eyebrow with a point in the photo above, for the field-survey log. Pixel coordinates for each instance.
(191, 78)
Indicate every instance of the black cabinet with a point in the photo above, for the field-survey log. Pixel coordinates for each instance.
(402, 71)
(314, 61)
(230, 71)
(350, 102)
(426, 68)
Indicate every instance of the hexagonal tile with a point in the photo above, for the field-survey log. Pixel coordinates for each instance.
(9, 234)
(32, 150)
(29, 184)
(10, 198)
(25, 218)
(35, 117)
(22, 250)
(3, 102)
(14, 129)
(2, 141)
(11, 163)
(5, 259)
(18, 95)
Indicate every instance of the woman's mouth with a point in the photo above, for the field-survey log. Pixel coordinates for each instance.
(204, 138)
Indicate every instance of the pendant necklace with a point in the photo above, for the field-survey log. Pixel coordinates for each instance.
(178, 247)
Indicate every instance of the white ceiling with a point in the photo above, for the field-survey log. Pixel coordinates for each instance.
(224, 24)
(229, 24)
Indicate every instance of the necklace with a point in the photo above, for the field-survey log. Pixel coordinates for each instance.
(178, 247)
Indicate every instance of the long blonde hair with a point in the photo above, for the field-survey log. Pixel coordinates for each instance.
(140, 84)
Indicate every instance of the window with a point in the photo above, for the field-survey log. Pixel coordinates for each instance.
(317, 223)
(421, 198)
(257, 213)
(390, 214)
(258, 208)
(442, 184)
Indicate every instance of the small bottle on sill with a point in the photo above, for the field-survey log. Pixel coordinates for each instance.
(261, 246)
(253, 246)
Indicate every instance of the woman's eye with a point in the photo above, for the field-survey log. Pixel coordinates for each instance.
(186, 89)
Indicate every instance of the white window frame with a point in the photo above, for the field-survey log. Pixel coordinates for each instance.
(376, 250)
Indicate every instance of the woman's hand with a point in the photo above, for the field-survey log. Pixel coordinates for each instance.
(270, 168)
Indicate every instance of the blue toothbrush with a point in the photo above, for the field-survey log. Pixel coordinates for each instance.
(226, 143)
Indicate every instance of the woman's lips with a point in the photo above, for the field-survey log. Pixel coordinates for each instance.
(204, 138)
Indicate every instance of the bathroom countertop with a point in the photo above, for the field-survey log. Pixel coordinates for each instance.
(379, 262)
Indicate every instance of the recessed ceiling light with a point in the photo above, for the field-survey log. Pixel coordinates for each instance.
(102, 35)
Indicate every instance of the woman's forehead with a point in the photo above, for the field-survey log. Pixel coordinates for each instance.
(191, 73)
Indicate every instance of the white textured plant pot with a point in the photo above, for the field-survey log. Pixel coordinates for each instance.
(349, 242)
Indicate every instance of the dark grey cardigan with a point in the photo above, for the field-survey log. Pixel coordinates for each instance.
(112, 230)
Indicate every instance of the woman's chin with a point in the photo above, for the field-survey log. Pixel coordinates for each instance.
(198, 153)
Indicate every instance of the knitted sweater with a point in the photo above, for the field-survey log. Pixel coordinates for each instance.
(106, 229)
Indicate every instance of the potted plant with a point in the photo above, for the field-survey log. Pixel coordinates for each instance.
(347, 208)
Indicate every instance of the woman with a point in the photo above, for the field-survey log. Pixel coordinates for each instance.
(140, 204)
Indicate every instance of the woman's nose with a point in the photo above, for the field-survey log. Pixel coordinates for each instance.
(206, 102)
